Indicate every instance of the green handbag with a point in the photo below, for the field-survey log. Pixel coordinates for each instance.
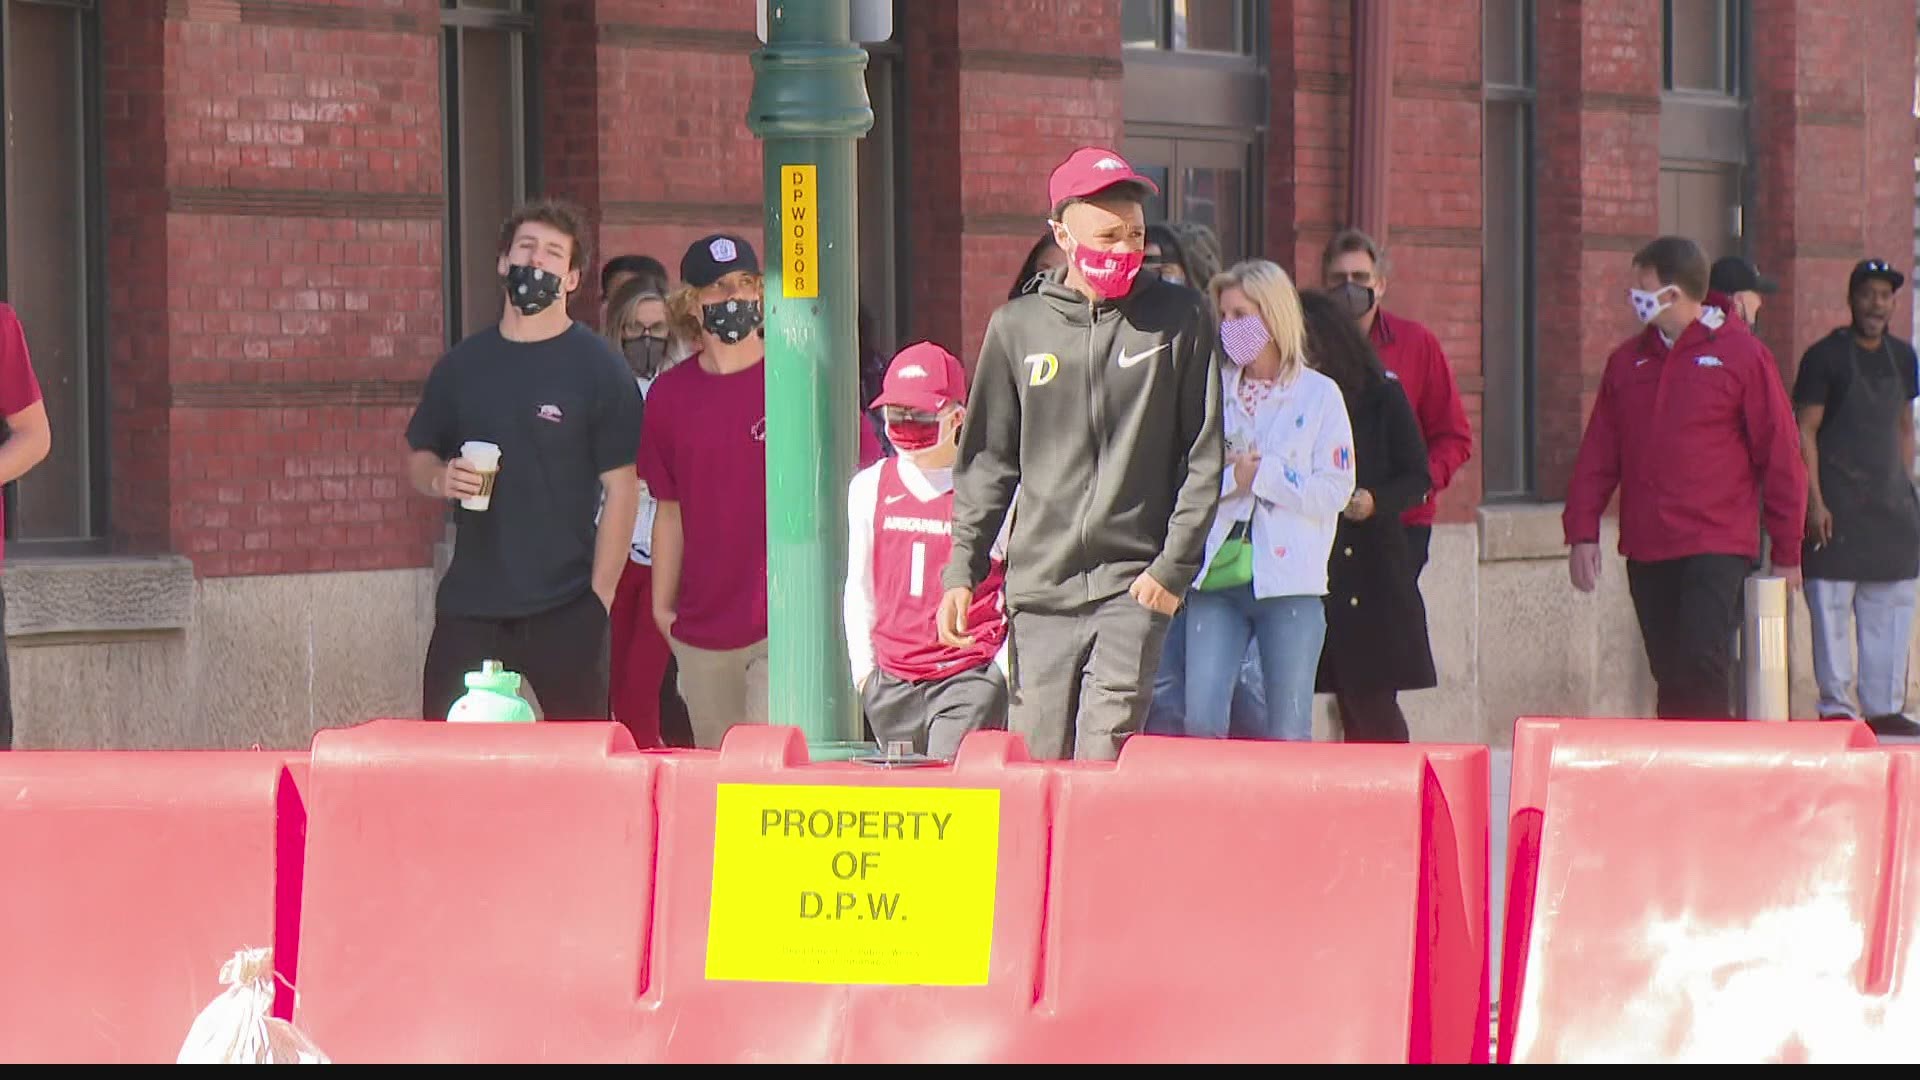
(1233, 564)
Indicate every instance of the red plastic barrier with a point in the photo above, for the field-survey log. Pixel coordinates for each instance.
(130, 878)
(1709, 892)
(491, 894)
(476, 893)
(1238, 901)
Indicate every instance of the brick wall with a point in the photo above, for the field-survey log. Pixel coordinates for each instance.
(275, 202)
(1833, 119)
(277, 278)
(676, 160)
(1007, 89)
(1597, 202)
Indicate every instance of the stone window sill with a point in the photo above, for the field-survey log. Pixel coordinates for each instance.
(97, 595)
(1520, 532)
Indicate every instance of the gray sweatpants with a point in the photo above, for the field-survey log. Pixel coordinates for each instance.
(934, 716)
(1082, 679)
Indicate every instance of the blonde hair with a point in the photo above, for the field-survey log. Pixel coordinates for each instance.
(1274, 297)
(683, 311)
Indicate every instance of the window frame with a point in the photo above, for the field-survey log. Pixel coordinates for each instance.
(1249, 22)
(96, 473)
(1730, 34)
(522, 24)
(1525, 486)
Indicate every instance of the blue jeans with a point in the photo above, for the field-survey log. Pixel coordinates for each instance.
(1289, 631)
(1167, 715)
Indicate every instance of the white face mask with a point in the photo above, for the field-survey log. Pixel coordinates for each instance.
(1648, 305)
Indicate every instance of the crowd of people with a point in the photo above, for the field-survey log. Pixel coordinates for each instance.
(1169, 495)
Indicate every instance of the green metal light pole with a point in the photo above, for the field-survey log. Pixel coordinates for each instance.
(809, 107)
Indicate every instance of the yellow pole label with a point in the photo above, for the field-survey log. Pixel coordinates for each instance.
(853, 885)
(799, 232)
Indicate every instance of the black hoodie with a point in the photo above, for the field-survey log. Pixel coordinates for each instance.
(1107, 419)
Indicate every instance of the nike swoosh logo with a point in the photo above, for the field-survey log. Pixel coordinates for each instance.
(891, 499)
(1128, 361)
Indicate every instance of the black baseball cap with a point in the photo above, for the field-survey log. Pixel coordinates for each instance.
(714, 257)
(1734, 274)
(1870, 269)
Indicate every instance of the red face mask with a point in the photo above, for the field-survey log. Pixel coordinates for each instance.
(1110, 273)
(909, 436)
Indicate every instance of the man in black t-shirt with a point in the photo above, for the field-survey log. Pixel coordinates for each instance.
(1854, 399)
(534, 571)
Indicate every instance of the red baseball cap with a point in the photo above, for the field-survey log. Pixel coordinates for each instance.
(1088, 170)
(925, 378)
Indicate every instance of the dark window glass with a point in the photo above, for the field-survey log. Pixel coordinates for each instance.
(1506, 297)
(485, 96)
(49, 165)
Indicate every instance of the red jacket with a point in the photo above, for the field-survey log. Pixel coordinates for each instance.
(1690, 436)
(1413, 354)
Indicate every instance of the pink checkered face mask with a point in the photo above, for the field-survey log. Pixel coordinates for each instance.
(1242, 338)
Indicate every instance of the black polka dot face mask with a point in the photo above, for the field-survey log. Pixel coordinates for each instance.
(531, 290)
(731, 320)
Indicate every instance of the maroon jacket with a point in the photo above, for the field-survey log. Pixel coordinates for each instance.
(1413, 354)
(1690, 435)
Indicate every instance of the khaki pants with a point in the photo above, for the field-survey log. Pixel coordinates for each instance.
(722, 688)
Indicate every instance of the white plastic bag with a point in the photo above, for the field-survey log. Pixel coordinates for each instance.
(239, 1028)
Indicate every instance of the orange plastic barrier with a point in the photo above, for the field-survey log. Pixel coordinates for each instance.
(130, 878)
(488, 894)
(1709, 892)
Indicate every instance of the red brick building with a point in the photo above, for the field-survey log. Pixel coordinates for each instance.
(241, 231)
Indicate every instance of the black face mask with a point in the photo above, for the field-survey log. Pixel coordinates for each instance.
(1355, 300)
(531, 290)
(731, 320)
(645, 354)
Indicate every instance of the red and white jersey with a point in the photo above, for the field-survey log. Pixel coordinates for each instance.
(901, 538)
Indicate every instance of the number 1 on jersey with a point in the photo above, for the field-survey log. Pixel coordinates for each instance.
(916, 583)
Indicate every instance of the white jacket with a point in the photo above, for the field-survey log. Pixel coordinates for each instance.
(1305, 479)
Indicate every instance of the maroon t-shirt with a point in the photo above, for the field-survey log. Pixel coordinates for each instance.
(704, 445)
(18, 388)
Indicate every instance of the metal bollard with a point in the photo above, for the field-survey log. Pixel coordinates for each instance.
(1763, 652)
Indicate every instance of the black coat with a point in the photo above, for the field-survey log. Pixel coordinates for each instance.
(1376, 620)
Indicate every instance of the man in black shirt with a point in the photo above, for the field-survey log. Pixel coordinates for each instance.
(533, 573)
(1854, 399)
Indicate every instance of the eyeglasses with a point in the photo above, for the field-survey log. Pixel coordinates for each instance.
(1358, 277)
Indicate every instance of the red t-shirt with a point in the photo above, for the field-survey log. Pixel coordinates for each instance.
(703, 444)
(912, 541)
(18, 388)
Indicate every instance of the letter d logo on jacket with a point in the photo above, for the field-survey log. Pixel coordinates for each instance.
(1041, 368)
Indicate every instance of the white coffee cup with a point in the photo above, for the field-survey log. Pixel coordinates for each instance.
(484, 457)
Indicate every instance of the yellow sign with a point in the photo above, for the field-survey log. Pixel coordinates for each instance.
(799, 231)
(853, 885)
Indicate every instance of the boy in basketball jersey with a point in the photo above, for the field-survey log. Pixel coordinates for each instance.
(900, 525)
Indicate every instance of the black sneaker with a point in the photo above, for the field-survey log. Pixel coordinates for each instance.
(1893, 724)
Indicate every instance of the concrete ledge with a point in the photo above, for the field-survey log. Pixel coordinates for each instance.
(108, 594)
(1520, 532)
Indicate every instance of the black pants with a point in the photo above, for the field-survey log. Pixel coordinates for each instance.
(1419, 545)
(561, 653)
(934, 716)
(1082, 679)
(1371, 716)
(1689, 611)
